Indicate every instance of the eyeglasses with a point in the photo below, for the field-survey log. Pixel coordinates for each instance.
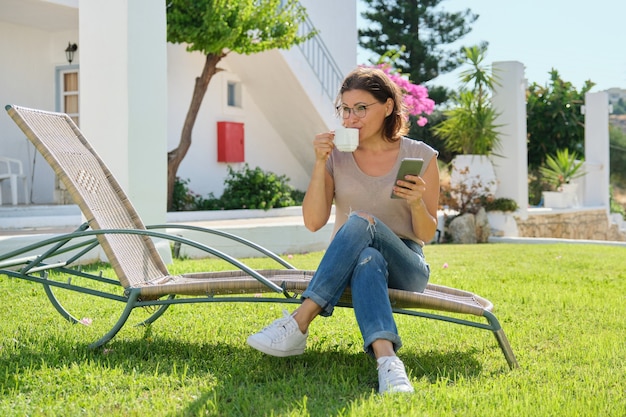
(359, 110)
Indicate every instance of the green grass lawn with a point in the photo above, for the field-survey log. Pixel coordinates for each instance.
(562, 307)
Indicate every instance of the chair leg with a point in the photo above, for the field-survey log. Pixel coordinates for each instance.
(55, 302)
(157, 313)
(503, 342)
(506, 348)
(26, 193)
(130, 305)
(13, 184)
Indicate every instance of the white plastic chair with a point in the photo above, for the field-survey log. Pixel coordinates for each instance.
(12, 170)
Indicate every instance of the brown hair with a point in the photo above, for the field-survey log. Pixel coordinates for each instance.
(377, 83)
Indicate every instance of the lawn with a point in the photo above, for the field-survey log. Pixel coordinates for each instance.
(562, 307)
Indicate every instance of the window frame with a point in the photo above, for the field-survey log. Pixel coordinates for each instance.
(61, 93)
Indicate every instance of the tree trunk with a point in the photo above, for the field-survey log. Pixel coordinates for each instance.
(176, 155)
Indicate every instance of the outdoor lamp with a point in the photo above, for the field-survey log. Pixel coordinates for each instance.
(69, 51)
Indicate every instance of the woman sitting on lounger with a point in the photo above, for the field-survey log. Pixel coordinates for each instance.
(377, 241)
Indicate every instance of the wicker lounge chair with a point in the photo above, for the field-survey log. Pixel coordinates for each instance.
(142, 276)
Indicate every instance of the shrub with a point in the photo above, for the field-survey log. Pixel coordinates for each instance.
(500, 204)
(536, 186)
(256, 189)
(616, 207)
(183, 198)
(554, 118)
(464, 197)
(244, 189)
(617, 140)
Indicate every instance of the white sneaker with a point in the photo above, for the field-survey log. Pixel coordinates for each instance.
(392, 376)
(281, 338)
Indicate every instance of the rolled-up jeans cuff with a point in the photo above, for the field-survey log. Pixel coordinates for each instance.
(392, 337)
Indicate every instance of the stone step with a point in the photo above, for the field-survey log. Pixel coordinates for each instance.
(39, 216)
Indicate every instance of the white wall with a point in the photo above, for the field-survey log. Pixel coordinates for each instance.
(27, 78)
(336, 23)
(263, 146)
(597, 151)
(124, 96)
(511, 164)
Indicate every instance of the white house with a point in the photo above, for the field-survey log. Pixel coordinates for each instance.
(129, 91)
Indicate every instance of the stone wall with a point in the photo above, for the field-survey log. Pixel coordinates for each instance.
(580, 223)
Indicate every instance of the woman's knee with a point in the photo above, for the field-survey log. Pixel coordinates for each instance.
(370, 255)
(370, 265)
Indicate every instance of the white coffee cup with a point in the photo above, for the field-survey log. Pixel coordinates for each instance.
(346, 139)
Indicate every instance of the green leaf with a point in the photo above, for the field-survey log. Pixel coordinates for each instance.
(243, 26)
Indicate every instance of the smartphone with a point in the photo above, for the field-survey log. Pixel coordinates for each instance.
(408, 166)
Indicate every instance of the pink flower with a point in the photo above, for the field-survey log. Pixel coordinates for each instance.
(415, 96)
(86, 321)
(445, 265)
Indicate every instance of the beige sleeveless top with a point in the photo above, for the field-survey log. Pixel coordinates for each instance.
(357, 191)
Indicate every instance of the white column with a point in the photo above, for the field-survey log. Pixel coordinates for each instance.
(596, 181)
(123, 102)
(509, 100)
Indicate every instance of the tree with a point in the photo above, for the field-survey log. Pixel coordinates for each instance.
(423, 32)
(470, 126)
(216, 28)
(619, 107)
(617, 140)
(554, 118)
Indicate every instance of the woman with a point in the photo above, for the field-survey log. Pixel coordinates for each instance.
(377, 241)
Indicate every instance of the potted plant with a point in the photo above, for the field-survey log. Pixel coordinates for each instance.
(470, 127)
(558, 172)
(501, 204)
(500, 216)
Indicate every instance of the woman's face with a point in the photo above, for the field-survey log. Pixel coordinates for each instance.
(364, 112)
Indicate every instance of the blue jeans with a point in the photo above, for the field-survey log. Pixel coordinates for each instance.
(369, 258)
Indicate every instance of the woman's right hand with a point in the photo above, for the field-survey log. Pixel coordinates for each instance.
(323, 145)
(318, 199)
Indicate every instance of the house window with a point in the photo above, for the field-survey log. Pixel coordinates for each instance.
(69, 93)
(233, 94)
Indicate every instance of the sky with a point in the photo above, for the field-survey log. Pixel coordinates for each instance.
(582, 40)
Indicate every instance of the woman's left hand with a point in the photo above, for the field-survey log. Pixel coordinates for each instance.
(412, 189)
